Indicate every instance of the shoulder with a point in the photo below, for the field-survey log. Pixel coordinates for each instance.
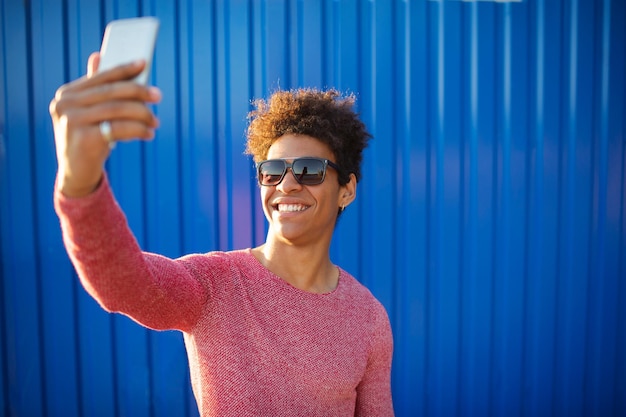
(360, 294)
(216, 266)
(196, 261)
(365, 304)
(215, 258)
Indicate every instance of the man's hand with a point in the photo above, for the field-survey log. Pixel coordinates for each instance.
(79, 108)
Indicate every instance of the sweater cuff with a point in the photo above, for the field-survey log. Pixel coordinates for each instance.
(94, 227)
(100, 203)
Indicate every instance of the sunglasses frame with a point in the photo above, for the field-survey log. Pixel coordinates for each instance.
(327, 163)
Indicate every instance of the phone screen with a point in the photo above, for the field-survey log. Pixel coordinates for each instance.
(127, 40)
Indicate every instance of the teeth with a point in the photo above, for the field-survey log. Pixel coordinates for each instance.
(291, 207)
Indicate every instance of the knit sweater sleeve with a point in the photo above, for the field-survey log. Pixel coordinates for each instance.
(374, 390)
(153, 290)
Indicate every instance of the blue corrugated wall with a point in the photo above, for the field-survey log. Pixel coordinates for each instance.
(491, 219)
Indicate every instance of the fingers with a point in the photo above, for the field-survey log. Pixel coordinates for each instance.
(108, 85)
(124, 130)
(112, 111)
(78, 109)
(118, 93)
(93, 78)
(120, 110)
(117, 103)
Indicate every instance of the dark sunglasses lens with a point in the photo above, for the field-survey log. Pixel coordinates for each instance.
(309, 171)
(271, 172)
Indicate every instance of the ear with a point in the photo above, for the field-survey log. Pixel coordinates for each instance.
(347, 193)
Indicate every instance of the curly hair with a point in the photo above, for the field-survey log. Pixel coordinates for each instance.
(325, 115)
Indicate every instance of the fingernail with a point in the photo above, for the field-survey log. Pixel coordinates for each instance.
(154, 93)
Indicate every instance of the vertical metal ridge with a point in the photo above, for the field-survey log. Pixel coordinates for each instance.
(115, 377)
(466, 352)
(603, 265)
(428, 310)
(288, 47)
(590, 331)
(395, 191)
(228, 132)
(566, 147)
(535, 174)
(218, 234)
(262, 90)
(179, 128)
(360, 82)
(5, 316)
(494, 205)
(436, 230)
(620, 368)
(5, 399)
(590, 326)
(150, 372)
(401, 40)
(36, 236)
(334, 44)
(503, 241)
(620, 330)
(263, 50)
(367, 111)
(223, 172)
(299, 36)
(525, 357)
(497, 141)
(402, 322)
(187, 139)
(324, 45)
(252, 82)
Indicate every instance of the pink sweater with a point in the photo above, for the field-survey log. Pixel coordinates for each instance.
(256, 345)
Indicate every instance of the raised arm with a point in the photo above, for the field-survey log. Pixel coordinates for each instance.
(156, 291)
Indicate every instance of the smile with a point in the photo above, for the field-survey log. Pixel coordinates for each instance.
(289, 208)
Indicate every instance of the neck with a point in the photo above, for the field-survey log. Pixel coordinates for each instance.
(308, 269)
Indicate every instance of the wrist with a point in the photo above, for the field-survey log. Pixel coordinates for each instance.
(71, 189)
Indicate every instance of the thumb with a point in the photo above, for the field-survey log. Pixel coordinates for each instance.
(93, 63)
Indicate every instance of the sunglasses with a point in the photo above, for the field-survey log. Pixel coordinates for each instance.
(307, 171)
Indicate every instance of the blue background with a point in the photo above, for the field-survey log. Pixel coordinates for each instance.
(490, 222)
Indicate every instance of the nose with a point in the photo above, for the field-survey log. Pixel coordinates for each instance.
(289, 183)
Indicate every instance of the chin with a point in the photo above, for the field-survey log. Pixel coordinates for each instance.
(287, 233)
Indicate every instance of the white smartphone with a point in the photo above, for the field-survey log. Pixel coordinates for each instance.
(127, 40)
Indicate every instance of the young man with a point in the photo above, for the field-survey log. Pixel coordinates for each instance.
(276, 330)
